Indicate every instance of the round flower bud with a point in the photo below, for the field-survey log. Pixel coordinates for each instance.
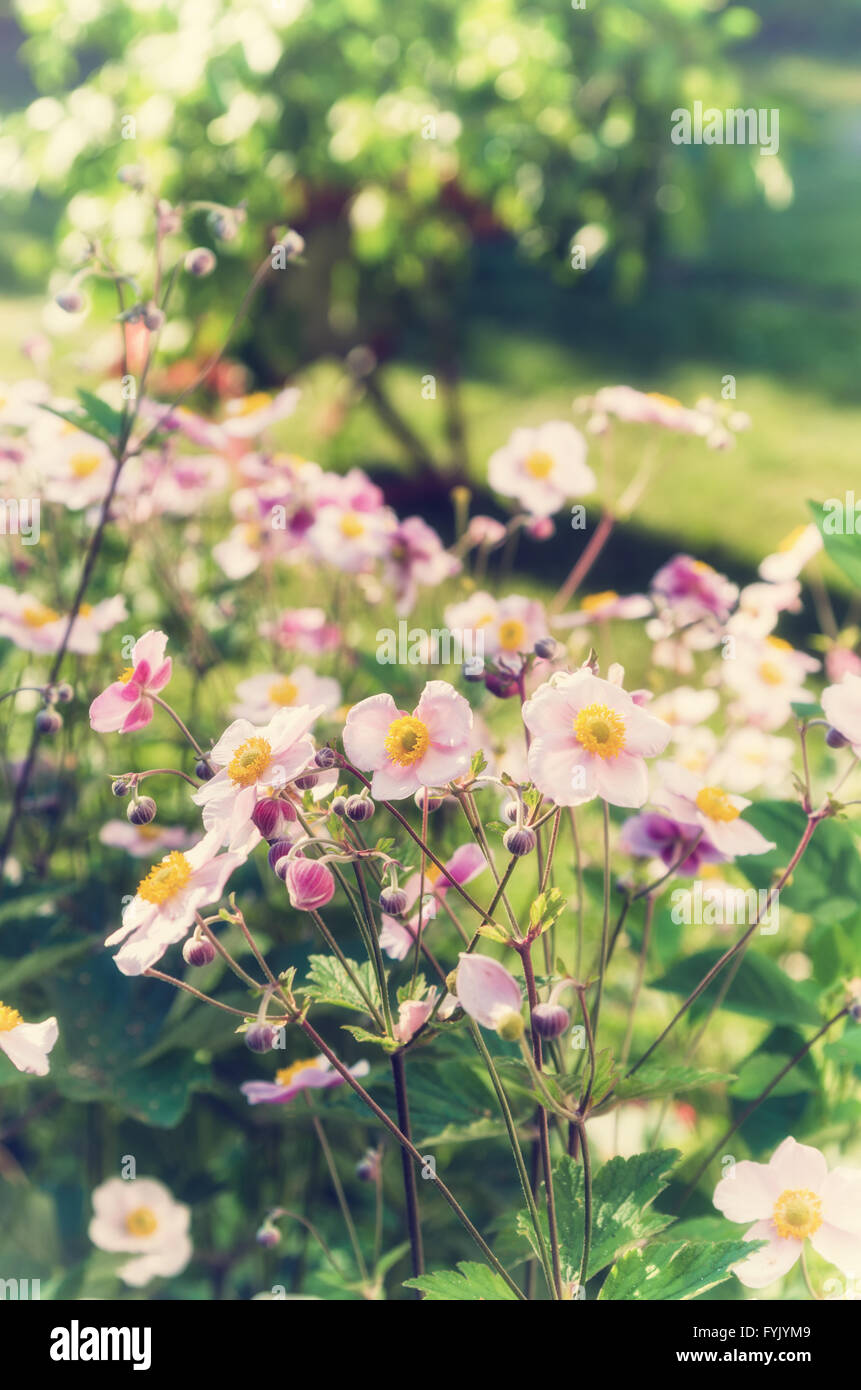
(510, 810)
(305, 782)
(204, 770)
(260, 1037)
(423, 795)
(70, 300)
(546, 648)
(510, 1026)
(153, 317)
(550, 1020)
(293, 244)
(141, 811)
(520, 841)
(278, 857)
(855, 1011)
(198, 950)
(48, 721)
(64, 692)
(473, 669)
(310, 884)
(119, 787)
(325, 757)
(835, 739)
(359, 808)
(500, 684)
(201, 261)
(268, 1236)
(393, 901)
(338, 806)
(368, 1168)
(272, 817)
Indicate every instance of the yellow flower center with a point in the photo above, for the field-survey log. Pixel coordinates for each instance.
(288, 1074)
(407, 740)
(512, 635)
(593, 602)
(283, 692)
(141, 1222)
(770, 673)
(600, 730)
(779, 644)
(9, 1018)
(797, 1213)
(82, 465)
(665, 400)
(148, 832)
(85, 610)
(249, 404)
(38, 615)
(250, 761)
(165, 880)
(125, 676)
(714, 802)
(539, 464)
(351, 526)
(790, 542)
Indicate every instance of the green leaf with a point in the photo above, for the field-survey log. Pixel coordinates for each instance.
(651, 1082)
(760, 1069)
(760, 988)
(474, 1284)
(80, 421)
(14, 973)
(100, 413)
(622, 1193)
(843, 549)
(329, 983)
(674, 1271)
(826, 883)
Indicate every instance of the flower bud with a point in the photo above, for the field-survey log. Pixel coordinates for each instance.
(510, 1026)
(204, 770)
(393, 901)
(855, 1011)
(141, 811)
(293, 244)
(835, 739)
(325, 757)
(368, 1167)
(70, 300)
(278, 856)
(338, 805)
(48, 721)
(198, 950)
(359, 808)
(433, 802)
(272, 817)
(520, 841)
(510, 810)
(64, 692)
(119, 787)
(306, 781)
(260, 1037)
(153, 317)
(201, 261)
(546, 648)
(310, 884)
(500, 684)
(268, 1235)
(550, 1020)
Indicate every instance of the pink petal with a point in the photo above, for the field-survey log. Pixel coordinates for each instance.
(842, 1248)
(748, 1192)
(799, 1165)
(623, 780)
(486, 989)
(765, 1266)
(366, 728)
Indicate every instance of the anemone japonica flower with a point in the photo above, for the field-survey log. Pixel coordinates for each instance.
(650, 408)
(692, 591)
(310, 1074)
(261, 697)
(248, 416)
(251, 759)
(711, 809)
(790, 1199)
(142, 1219)
(26, 1044)
(416, 558)
(303, 630)
(125, 705)
(607, 605)
(490, 994)
(842, 707)
(542, 468)
(167, 898)
(653, 836)
(348, 539)
(589, 738)
(398, 937)
(684, 707)
(34, 627)
(141, 841)
(407, 751)
(794, 552)
(767, 676)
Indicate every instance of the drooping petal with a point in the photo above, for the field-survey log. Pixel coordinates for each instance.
(765, 1266)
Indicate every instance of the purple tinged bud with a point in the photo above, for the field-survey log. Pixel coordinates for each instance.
(70, 300)
(520, 841)
(260, 1037)
(855, 1011)
(48, 721)
(510, 810)
(835, 739)
(198, 950)
(546, 648)
(272, 817)
(359, 808)
(278, 857)
(141, 811)
(325, 757)
(306, 781)
(423, 795)
(268, 1236)
(204, 770)
(339, 806)
(310, 884)
(153, 317)
(64, 692)
(500, 684)
(119, 787)
(201, 261)
(550, 1020)
(393, 901)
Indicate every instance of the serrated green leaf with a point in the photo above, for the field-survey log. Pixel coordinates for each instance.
(474, 1283)
(329, 983)
(674, 1271)
(652, 1082)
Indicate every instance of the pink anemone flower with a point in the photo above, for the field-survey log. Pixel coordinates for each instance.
(842, 706)
(312, 1073)
(716, 812)
(590, 738)
(489, 993)
(126, 704)
(407, 751)
(790, 1199)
